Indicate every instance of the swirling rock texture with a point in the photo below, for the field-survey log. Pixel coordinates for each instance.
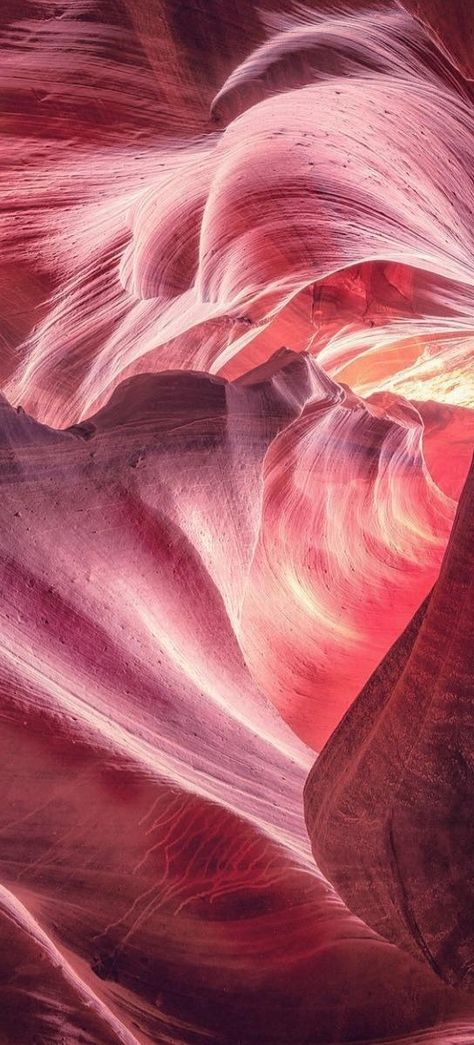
(236, 358)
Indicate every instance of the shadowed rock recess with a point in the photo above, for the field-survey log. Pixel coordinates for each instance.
(389, 801)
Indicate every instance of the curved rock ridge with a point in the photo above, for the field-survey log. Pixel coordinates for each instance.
(153, 841)
(328, 515)
(161, 212)
(389, 801)
(211, 544)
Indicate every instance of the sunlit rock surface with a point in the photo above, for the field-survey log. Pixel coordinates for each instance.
(153, 834)
(236, 366)
(308, 183)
